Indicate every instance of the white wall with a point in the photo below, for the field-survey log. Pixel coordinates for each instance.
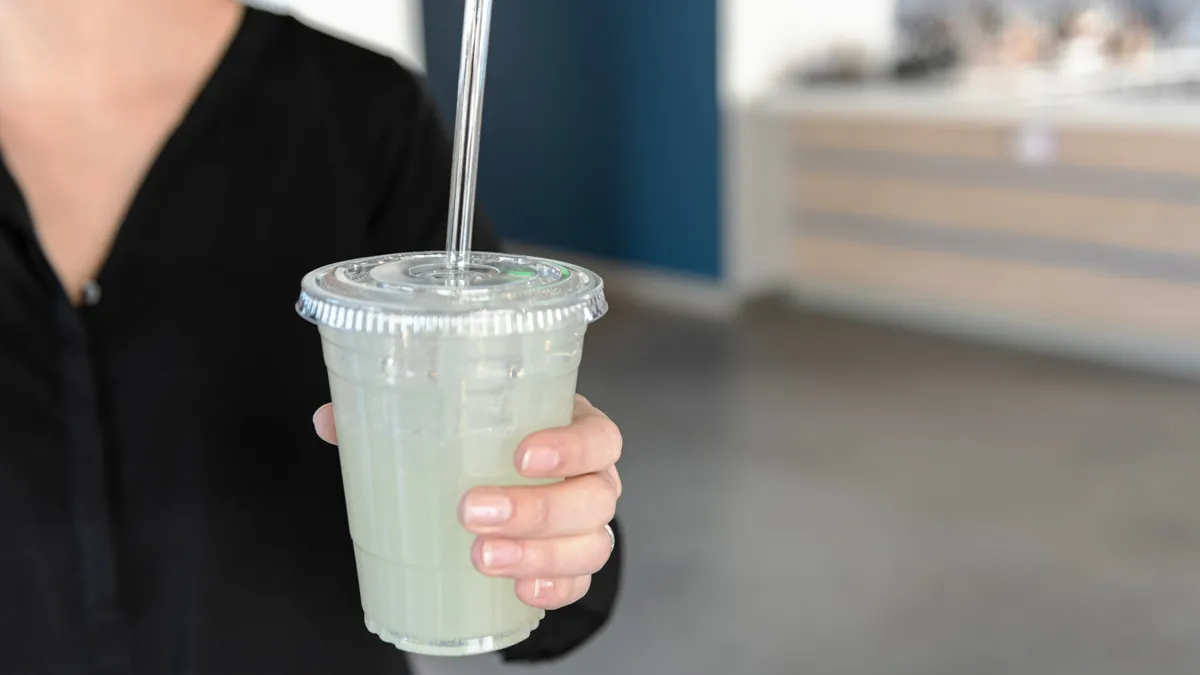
(392, 26)
(759, 38)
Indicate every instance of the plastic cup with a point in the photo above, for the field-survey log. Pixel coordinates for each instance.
(437, 373)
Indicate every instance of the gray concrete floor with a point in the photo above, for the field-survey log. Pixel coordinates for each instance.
(811, 496)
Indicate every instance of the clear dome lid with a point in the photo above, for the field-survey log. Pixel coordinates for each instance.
(494, 294)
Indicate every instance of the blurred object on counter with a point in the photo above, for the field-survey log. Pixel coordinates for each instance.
(1022, 43)
(929, 47)
(1132, 41)
(1024, 47)
(1003, 36)
(1066, 37)
(1083, 35)
(844, 62)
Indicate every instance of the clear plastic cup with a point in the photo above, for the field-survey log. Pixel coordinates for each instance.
(437, 373)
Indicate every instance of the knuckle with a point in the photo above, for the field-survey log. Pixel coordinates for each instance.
(539, 511)
(603, 444)
(609, 512)
(548, 560)
(605, 504)
(618, 485)
(606, 490)
(576, 447)
(616, 442)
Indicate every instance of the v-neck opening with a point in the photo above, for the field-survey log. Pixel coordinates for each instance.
(236, 60)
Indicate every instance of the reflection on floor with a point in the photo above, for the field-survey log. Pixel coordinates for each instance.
(806, 495)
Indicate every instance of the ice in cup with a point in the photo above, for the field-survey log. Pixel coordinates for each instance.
(437, 372)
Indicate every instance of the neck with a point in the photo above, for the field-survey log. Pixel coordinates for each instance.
(60, 44)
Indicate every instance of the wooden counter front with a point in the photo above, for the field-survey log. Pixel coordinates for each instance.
(1099, 230)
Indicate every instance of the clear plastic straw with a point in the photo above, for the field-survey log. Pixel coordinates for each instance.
(477, 24)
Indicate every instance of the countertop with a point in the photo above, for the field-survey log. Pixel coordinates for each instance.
(1172, 104)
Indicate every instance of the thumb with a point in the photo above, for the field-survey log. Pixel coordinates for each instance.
(323, 423)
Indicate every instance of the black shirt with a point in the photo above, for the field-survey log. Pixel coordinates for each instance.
(165, 506)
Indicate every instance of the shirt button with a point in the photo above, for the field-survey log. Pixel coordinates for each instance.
(91, 294)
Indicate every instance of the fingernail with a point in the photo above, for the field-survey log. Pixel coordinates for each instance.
(499, 554)
(542, 588)
(487, 509)
(540, 460)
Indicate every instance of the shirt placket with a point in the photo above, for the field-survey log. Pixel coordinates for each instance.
(92, 499)
(105, 630)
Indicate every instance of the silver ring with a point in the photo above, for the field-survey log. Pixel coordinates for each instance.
(612, 538)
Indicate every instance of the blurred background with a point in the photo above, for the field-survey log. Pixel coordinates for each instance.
(906, 316)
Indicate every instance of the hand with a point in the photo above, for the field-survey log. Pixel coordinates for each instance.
(550, 538)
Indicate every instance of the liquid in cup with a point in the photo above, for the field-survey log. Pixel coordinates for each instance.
(436, 376)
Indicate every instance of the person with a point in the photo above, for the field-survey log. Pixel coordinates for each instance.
(171, 168)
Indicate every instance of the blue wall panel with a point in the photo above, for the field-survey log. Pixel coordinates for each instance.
(601, 130)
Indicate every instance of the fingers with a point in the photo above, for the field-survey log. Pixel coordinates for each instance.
(567, 557)
(323, 422)
(553, 593)
(550, 538)
(592, 443)
(573, 507)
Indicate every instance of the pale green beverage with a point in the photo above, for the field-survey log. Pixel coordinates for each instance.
(436, 375)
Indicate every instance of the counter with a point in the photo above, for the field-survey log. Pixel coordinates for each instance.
(1071, 223)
